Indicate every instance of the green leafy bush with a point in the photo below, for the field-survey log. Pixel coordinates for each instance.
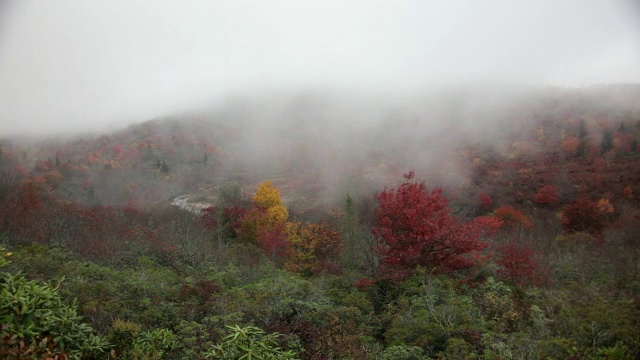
(38, 322)
(154, 345)
(249, 343)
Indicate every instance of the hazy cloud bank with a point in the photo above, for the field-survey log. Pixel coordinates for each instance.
(74, 65)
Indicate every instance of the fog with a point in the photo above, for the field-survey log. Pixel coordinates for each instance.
(74, 65)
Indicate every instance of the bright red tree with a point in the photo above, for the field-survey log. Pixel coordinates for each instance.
(416, 228)
(273, 241)
(518, 265)
(547, 195)
(582, 215)
(484, 201)
(234, 215)
(209, 218)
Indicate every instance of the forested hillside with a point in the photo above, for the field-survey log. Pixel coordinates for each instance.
(470, 225)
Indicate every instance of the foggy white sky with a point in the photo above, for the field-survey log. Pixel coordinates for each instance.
(87, 65)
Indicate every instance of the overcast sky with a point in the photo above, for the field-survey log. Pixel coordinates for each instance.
(89, 64)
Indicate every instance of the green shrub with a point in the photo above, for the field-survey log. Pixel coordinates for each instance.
(249, 343)
(38, 322)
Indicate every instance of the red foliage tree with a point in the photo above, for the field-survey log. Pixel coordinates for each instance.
(117, 149)
(582, 215)
(273, 241)
(21, 211)
(547, 195)
(98, 232)
(234, 216)
(489, 224)
(209, 218)
(518, 265)
(484, 201)
(416, 228)
(363, 283)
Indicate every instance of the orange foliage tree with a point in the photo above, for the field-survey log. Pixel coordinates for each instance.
(303, 248)
(264, 224)
(312, 247)
(512, 218)
(570, 146)
(604, 207)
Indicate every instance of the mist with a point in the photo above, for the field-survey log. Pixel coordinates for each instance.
(75, 66)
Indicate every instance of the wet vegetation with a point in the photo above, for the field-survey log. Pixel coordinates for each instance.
(513, 233)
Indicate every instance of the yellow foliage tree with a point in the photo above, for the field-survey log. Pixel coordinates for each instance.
(267, 198)
(267, 215)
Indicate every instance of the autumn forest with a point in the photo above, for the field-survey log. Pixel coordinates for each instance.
(462, 225)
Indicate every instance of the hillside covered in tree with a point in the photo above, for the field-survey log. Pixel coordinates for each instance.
(468, 224)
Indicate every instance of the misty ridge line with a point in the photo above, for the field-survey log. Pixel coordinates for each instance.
(74, 66)
(318, 146)
(338, 118)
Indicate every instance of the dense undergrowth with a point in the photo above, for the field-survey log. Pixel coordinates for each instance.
(577, 299)
(531, 253)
